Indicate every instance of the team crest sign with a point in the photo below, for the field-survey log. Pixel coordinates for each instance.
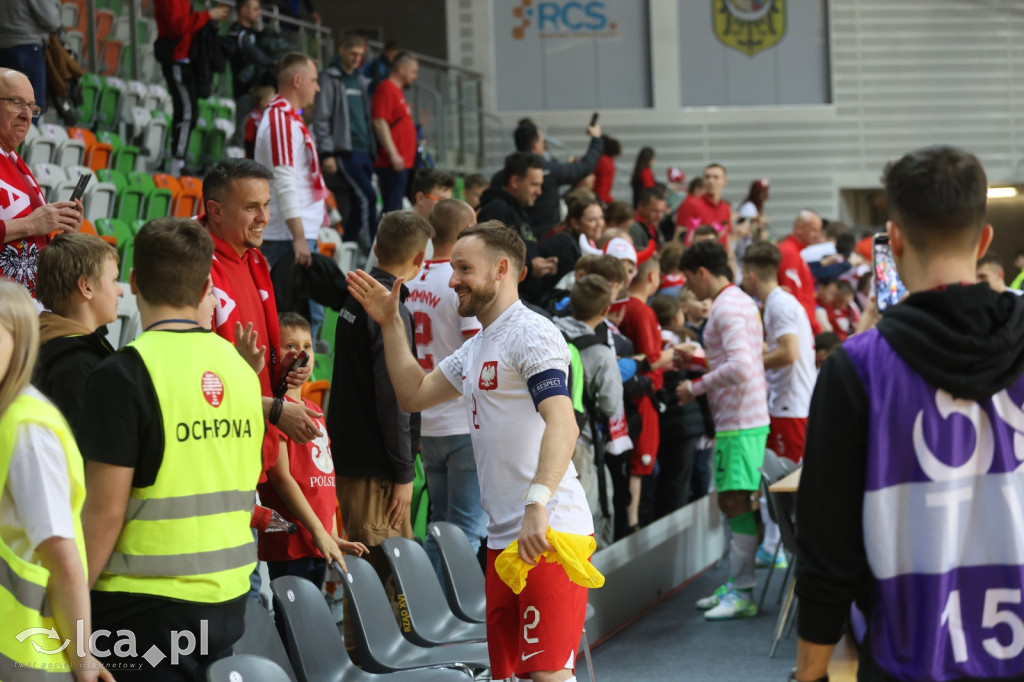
(749, 26)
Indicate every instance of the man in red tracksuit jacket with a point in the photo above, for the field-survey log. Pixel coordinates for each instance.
(176, 25)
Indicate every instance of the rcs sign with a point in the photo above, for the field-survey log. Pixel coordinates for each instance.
(560, 17)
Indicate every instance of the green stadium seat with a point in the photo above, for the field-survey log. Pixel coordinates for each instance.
(126, 202)
(156, 200)
(196, 147)
(106, 103)
(92, 85)
(124, 155)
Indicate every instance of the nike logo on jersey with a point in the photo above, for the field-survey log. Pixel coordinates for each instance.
(529, 656)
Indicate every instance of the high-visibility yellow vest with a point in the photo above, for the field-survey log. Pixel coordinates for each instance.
(23, 601)
(187, 537)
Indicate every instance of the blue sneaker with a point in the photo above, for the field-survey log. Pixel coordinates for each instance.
(763, 559)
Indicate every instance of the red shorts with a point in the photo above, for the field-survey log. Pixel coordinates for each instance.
(645, 449)
(786, 437)
(539, 628)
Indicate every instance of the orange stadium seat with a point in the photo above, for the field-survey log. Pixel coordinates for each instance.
(97, 154)
(104, 24)
(110, 57)
(167, 182)
(189, 201)
(317, 391)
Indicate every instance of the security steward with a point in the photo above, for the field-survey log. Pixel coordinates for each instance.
(23, 594)
(172, 435)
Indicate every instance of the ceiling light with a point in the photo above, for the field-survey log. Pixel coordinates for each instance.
(1001, 192)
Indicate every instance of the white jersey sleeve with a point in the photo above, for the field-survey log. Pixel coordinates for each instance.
(453, 366)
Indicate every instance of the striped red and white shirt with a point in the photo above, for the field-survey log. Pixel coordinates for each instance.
(735, 384)
(284, 145)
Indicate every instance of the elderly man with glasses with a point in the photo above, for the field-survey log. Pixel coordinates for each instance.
(26, 220)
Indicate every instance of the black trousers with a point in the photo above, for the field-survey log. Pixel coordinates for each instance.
(151, 621)
(181, 84)
(676, 456)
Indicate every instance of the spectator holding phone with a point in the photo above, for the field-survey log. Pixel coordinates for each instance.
(236, 196)
(301, 486)
(920, 414)
(26, 220)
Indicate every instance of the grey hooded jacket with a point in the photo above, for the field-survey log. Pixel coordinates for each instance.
(331, 127)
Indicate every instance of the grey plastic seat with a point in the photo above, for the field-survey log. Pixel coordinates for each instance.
(464, 581)
(245, 668)
(318, 650)
(382, 648)
(262, 639)
(431, 621)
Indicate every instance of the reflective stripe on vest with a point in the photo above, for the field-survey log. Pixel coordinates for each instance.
(187, 536)
(23, 598)
(203, 504)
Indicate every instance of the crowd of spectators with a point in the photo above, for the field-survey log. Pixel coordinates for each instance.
(698, 337)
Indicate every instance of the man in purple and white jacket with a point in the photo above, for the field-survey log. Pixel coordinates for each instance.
(911, 502)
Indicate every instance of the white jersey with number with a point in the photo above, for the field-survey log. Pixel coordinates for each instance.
(492, 370)
(790, 387)
(439, 332)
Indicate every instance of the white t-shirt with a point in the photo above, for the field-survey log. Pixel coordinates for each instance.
(439, 332)
(35, 503)
(492, 370)
(790, 387)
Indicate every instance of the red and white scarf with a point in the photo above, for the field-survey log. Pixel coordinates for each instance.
(19, 196)
(281, 144)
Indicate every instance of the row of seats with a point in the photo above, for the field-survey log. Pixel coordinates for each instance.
(113, 35)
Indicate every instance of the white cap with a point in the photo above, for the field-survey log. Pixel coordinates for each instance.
(621, 249)
(748, 210)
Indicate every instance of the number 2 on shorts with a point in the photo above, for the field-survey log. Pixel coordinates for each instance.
(530, 626)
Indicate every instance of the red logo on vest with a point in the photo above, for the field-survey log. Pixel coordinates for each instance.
(489, 376)
(213, 389)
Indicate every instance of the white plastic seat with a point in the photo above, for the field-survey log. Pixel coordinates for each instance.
(147, 63)
(42, 146)
(122, 29)
(128, 325)
(75, 40)
(99, 200)
(48, 176)
(155, 97)
(230, 104)
(345, 256)
(69, 15)
(232, 152)
(154, 140)
(30, 136)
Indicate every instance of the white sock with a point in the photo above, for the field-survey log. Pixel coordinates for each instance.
(772, 537)
(741, 560)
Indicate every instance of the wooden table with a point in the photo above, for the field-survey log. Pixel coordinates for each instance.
(789, 484)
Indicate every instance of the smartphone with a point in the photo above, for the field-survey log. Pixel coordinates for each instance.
(593, 120)
(301, 360)
(889, 288)
(83, 181)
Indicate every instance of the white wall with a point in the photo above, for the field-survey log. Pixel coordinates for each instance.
(906, 73)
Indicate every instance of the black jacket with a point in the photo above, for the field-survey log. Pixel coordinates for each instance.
(371, 435)
(67, 356)
(544, 214)
(566, 247)
(967, 340)
(497, 204)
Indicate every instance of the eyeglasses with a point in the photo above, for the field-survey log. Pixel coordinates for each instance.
(19, 105)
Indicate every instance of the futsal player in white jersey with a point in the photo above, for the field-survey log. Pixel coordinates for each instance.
(788, 368)
(513, 377)
(445, 442)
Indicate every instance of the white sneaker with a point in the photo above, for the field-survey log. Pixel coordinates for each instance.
(712, 601)
(733, 605)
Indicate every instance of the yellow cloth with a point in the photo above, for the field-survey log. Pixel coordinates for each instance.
(569, 550)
